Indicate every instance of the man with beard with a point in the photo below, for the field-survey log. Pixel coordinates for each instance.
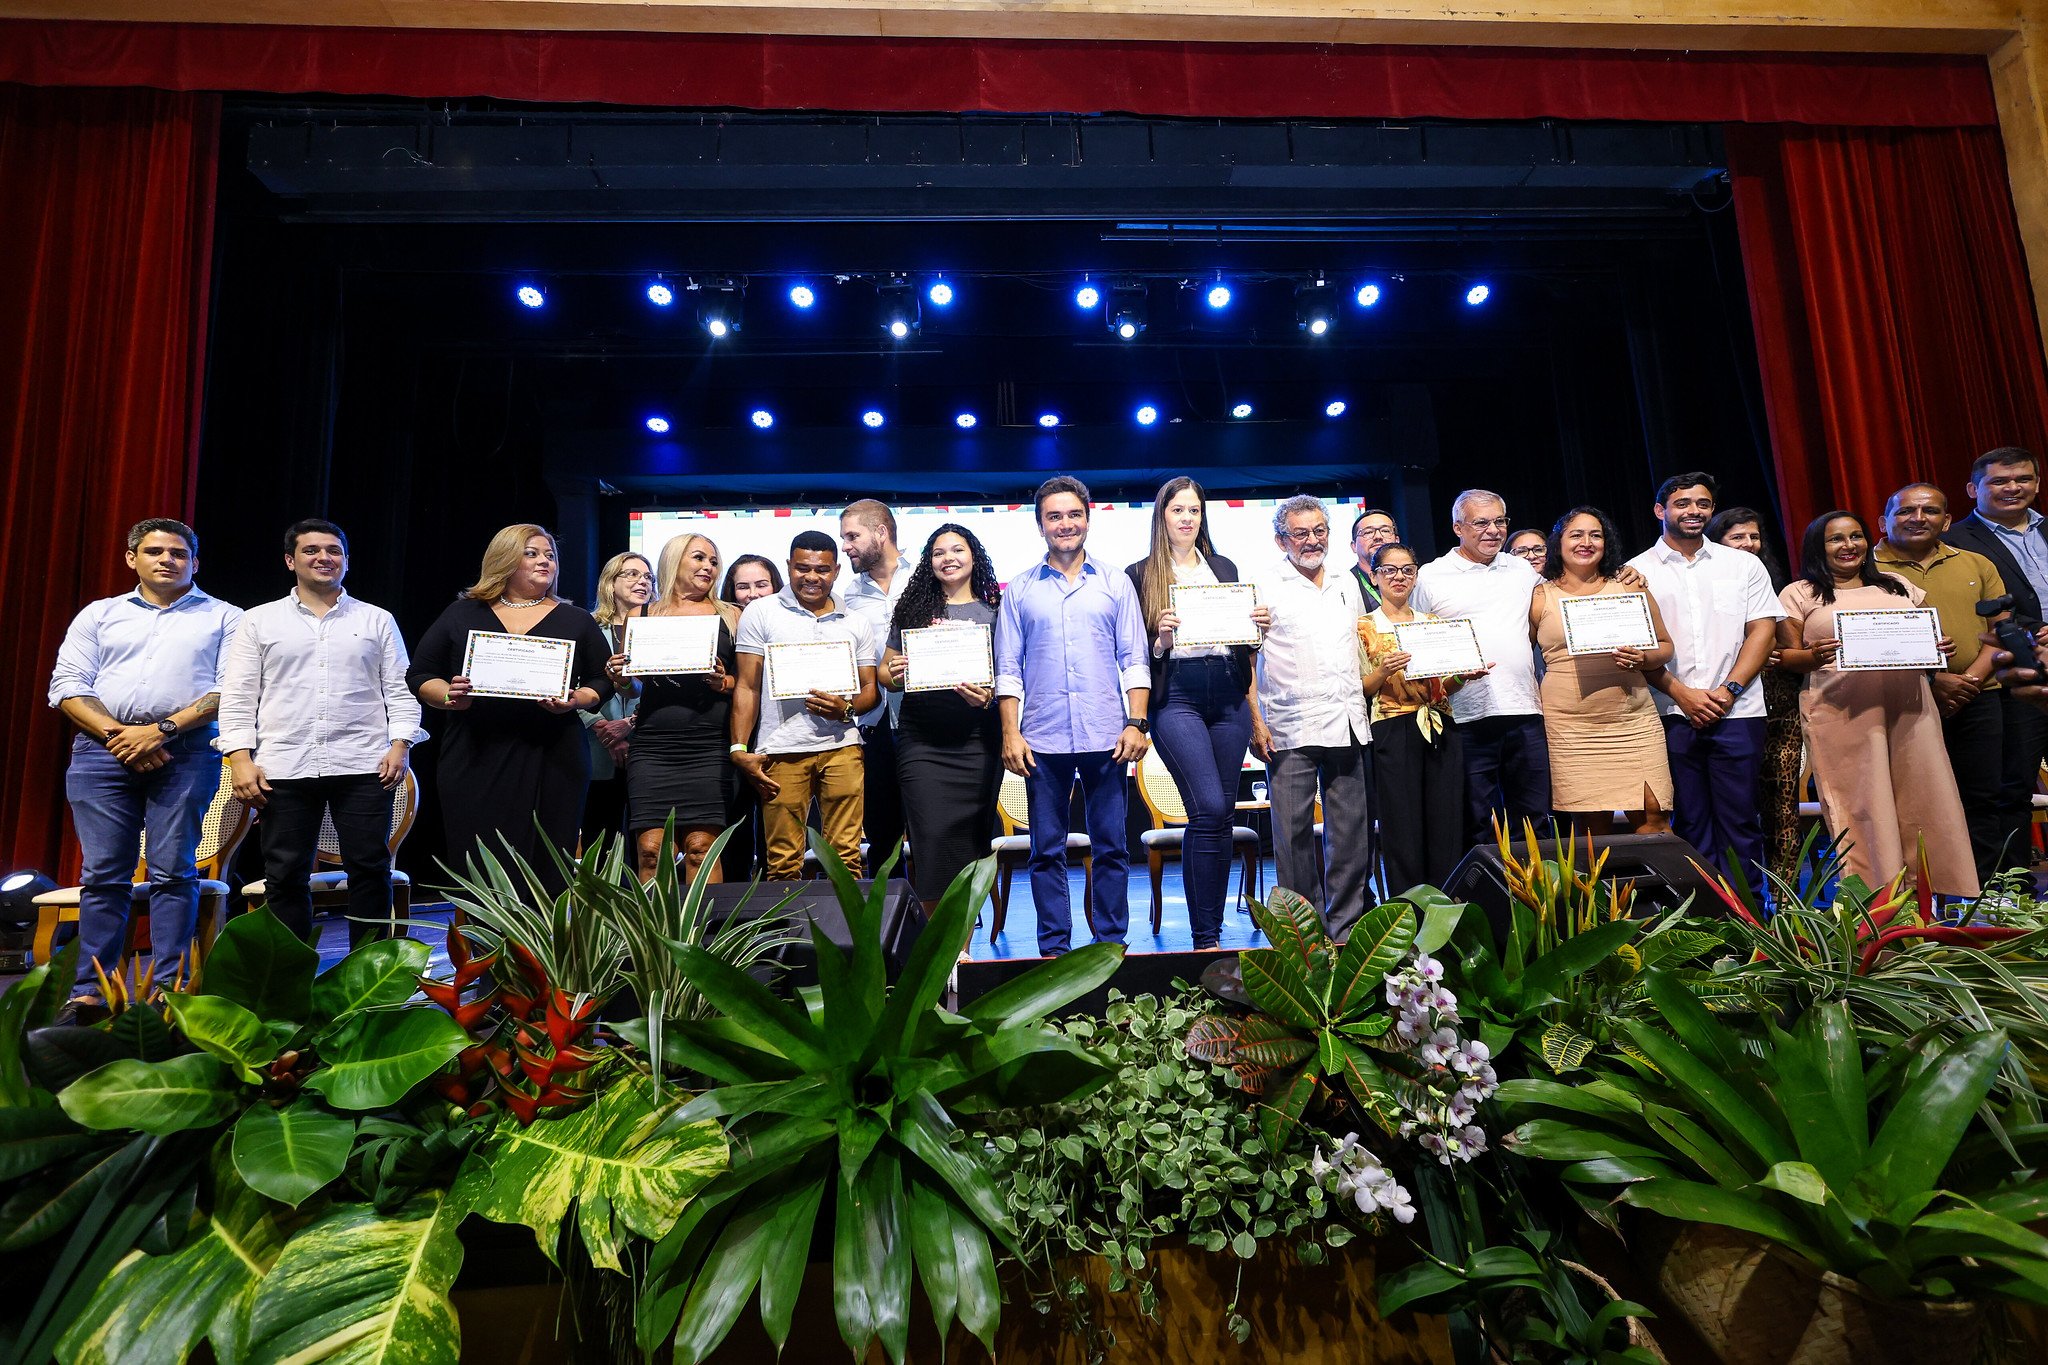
(867, 531)
(1370, 529)
(1311, 722)
(1718, 605)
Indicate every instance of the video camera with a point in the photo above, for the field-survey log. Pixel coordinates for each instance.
(2012, 637)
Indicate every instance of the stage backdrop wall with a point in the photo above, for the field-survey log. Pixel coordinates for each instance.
(1891, 303)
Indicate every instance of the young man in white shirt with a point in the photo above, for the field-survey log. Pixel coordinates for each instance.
(316, 719)
(810, 745)
(1311, 721)
(867, 533)
(1718, 605)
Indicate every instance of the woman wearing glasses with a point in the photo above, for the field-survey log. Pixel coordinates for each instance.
(623, 587)
(1418, 757)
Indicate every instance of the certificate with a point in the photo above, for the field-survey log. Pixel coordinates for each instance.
(1903, 637)
(940, 657)
(1605, 622)
(501, 664)
(1438, 649)
(1215, 614)
(670, 644)
(799, 668)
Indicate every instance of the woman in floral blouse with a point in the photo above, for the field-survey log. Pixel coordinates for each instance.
(1418, 759)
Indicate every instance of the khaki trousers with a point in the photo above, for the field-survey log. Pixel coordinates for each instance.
(834, 777)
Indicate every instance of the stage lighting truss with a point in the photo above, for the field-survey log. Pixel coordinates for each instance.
(897, 308)
(721, 306)
(1313, 311)
(1126, 310)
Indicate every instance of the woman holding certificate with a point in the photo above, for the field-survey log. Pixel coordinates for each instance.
(623, 586)
(949, 739)
(746, 578)
(1607, 750)
(1204, 625)
(681, 655)
(513, 663)
(1873, 732)
(1418, 763)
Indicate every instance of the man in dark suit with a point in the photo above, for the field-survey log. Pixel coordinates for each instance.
(2007, 530)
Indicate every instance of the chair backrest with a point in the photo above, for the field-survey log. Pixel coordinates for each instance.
(220, 833)
(1013, 803)
(405, 801)
(1162, 796)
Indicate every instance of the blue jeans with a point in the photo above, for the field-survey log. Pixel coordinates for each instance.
(1714, 775)
(1202, 728)
(1050, 792)
(111, 808)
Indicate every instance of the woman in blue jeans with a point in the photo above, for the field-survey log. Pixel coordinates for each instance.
(1201, 709)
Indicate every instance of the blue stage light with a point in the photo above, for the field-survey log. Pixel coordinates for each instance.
(1127, 329)
(531, 295)
(965, 421)
(871, 419)
(1146, 415)
(658, 425)
(1048, 420)
(660, 295)
(1219, 296)
(1241, 411)
(1477, 295)
(762, 418)
(801, 295)
(940, 293)
(1318, 326)
(1368, 295)
(1334, 408)
(1087, 296)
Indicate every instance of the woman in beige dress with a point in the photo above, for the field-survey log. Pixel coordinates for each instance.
(1606, 743)
(1874, 736)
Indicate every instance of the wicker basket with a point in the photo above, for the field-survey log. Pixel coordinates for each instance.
(1755, 1304)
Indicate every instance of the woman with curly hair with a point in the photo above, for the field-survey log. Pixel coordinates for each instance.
(949, 744)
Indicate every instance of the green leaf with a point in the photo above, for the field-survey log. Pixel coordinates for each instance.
(1368, 1084)
(365, 1288)
(376, 1058)
(386, 972)
(1820, 1076)
(1050, 986)
(1292, 924)
(1564, 1048)
(1592, 1098)
(31, 1139)
(143, 1035)
(59, 1055)
(158, 1098)
(1440, 916)
(1285, 1108)
(1412, 1285)
(782, 1275)
(1696, 1203)
(1544, 978)
(729, 1274)
(1377, 942)
(749, 1004)
(215, 1024)
(1556, 1140)
(15, 1006)
(293, 1153)
(1921, 1132)
(261, 966)
(930, 1224)
(871, 1259)
(1278, 986)
(1799, 1180)
(1719, 1100)
(1677, 945)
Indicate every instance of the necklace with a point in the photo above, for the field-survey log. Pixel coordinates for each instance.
(508, 602)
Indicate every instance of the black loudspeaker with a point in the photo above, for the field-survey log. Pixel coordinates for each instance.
(1659, 866)
(1139, 974)
(798, 903)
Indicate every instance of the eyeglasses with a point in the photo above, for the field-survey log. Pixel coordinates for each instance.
(1307, 537)
(633, 575)
(1490, 524)
(1396, 570)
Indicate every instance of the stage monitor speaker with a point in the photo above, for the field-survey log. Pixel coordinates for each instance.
(1658, 866)
(799, 903)
(1138, 974)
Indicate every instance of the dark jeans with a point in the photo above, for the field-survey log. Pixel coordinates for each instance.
(1507, 768)
(1714, 793)
(361, 809)
(1421, 790)
(1202, 729)
(1049, 793)
(882, 798)
(112, 808)
(2026, 744)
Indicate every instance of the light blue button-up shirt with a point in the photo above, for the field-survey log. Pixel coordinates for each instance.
(2028, 546)
(145, 662)
(1070, 649)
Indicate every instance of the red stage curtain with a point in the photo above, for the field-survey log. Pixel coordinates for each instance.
(1894, 323)
(1204, 80)
(107, 239)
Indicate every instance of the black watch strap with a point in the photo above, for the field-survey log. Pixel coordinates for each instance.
(1139, 723)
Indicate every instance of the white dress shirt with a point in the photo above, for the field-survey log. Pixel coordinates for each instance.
(1311, 689)
(876, 605)
(144, 662)
(1495, 599)
(1708, 602)
(316, 696)
(787, 726)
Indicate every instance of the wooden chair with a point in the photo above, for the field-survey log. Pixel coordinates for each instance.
(1169, 834)
(220, 834)
(1013, 850)
(330, 887)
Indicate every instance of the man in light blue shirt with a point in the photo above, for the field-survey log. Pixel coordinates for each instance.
(140, 677)
(1073, 681)
(867, 532)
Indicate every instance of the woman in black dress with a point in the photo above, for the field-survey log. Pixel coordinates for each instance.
(623, 586)
(949, 744)
(749, 577)
(507, 763)
(680, 765)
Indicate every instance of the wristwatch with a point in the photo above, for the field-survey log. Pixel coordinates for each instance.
(1138, 723)
(169, 727)
(1735, 689)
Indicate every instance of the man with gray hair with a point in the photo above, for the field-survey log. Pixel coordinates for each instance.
(1310, 722)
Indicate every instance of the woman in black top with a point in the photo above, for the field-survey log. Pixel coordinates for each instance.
(507, 763)
(623, 586)
(680, 766)
(949, 744)
(1201, 699)
(748, 577)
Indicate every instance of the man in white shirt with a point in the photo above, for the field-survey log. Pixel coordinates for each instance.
(315, 718)
(1507, 762)
(867, 532)
(1718, 605)
(1310, 720)
(809, 744)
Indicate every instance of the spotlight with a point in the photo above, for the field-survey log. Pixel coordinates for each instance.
(1334, 408)
(965, 421)
(871, 419)
(660, 295)
(18, 892)
(1048, 420)
(941, 293)
(1312, 310)
(531, 295)
(1218, 295)
(1477, 295)
(1368, 295)
(1127, 310)
(718, 308)
(1087, 296)
(658, 425)
(762, 418)
(1146, 415)
(801, 295)
(898, 310)
(1241, 411)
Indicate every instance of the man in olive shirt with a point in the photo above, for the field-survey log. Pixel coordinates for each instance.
(1972, 712)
